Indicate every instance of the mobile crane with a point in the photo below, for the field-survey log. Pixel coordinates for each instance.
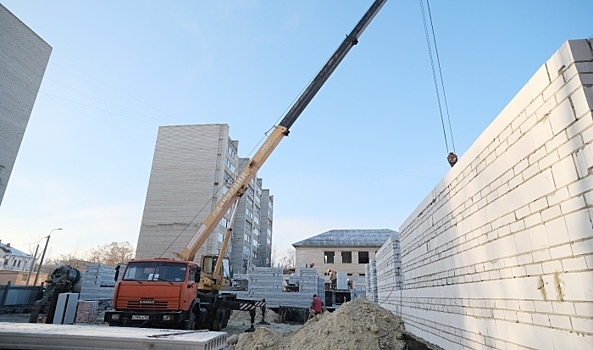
(179, 293)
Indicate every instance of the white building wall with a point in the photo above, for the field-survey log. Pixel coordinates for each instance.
(23, 59)
(500, 254)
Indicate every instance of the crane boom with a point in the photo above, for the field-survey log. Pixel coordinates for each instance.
(240, 184)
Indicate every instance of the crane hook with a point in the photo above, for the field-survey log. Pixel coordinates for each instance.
(452, 159)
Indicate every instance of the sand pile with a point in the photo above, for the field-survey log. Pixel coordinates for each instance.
(359, 324)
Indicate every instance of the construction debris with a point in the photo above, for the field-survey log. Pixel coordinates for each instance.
(355, 325)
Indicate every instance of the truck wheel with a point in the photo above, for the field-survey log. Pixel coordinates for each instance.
(225, 320)
(217, 320)
(191, 323)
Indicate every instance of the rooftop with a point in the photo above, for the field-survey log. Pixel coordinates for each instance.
(7, 249)
(348, 238)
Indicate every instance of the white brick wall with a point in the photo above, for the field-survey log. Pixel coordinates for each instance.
(500, 254)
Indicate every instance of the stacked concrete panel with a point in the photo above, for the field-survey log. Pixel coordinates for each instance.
(500, 254)
(266, 283)
(23, 59)
(98, 282)
(265, 279)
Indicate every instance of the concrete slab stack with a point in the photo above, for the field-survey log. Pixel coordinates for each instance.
(88, 337)
(98, 282)
(266, 283)
(265, 279)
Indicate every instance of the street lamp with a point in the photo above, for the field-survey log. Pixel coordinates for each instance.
(43, 254)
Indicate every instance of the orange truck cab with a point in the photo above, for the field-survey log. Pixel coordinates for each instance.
(156, 292)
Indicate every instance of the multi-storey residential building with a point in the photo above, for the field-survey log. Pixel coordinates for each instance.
(193, 167)
(250, 243)
(23, 59)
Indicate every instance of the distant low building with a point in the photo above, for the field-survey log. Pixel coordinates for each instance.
(341, 250)
(14, 265)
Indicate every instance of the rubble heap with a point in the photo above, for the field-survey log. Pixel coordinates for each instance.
(355, 325)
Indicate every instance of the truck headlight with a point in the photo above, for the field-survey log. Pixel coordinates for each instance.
(167, 318)
(115, 317)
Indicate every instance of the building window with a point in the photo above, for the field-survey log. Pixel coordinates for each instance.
(248, 213)
(249, 201)
(24, 278)
(220, 237)
(228, 178)
(246, 237)
(224, 189)
(397, 271)
(346, 257)
(224, 222)
(363, 257)
(256, 220)
(269, 241)
(230, 165)
(257, 211)
(256, 232)
(361, 274)
(328, 257)
(248, 226)
(231, 151)
(250, 189)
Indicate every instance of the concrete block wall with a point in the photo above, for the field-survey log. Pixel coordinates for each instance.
(500, 254)
(371, 280)
(387, 276)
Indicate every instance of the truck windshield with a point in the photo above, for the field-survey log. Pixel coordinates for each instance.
(155, 271)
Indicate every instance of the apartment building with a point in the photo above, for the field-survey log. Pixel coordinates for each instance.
(23, 60)
(193, 167)
(252, 230)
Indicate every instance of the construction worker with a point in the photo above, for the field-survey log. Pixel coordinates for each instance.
(316, 305)
(333, 277)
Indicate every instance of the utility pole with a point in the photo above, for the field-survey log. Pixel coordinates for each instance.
(43, 254)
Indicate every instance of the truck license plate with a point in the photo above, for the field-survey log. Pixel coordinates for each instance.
(139, 317)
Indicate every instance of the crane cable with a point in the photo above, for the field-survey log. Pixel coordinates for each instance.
(452, 157)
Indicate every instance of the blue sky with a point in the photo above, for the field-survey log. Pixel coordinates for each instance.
(364, 153)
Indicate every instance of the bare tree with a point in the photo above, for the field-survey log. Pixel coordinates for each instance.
(70, 259)
(111, 254)
(285, 258)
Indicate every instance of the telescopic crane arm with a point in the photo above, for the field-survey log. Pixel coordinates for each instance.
(240, 184)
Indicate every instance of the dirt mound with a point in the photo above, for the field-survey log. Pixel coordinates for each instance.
(355, 325)
(261, 339)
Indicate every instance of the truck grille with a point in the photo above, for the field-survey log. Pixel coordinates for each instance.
(157, 305)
